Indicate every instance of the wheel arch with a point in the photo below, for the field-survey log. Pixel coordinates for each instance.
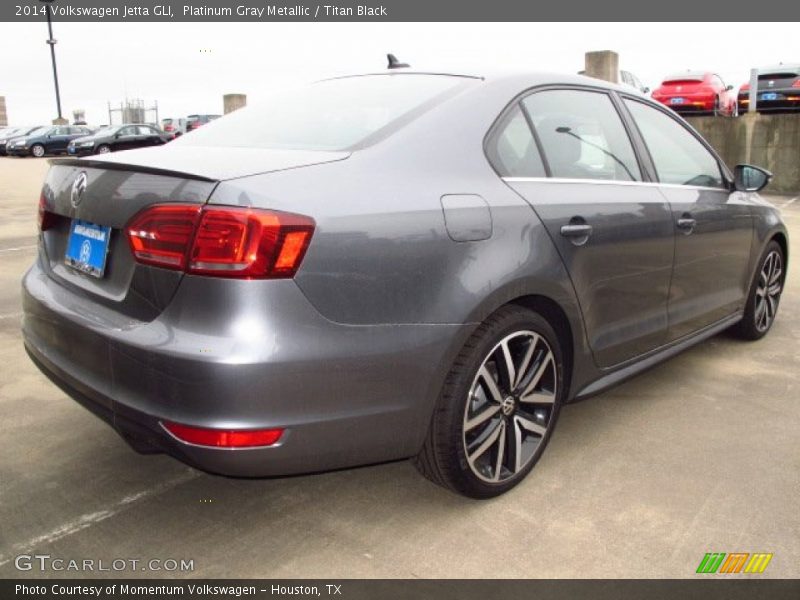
(783, 242)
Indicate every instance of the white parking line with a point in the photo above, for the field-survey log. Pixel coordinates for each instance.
(89, 519)
(18, 248)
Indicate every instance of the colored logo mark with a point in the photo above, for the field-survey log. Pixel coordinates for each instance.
(735, 562)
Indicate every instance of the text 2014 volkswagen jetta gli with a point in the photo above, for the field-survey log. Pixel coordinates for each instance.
(393, 265)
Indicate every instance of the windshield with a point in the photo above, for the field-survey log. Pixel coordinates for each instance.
(40, 130)
(334, 114)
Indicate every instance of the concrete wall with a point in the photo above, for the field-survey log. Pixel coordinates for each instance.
(3, 114)
(232, 102)
(602, 64)
(768, 141)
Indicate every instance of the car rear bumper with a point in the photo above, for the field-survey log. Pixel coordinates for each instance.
(243, 355)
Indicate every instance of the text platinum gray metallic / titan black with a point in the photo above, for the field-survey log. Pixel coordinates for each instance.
(393, 265)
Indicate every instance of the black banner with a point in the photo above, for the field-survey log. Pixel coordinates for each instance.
(399, 10)
(390, 589)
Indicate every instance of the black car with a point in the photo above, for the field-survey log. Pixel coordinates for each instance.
(778, 89)
(46, 140)
(6, 135)
(118, 137)
(195, 121)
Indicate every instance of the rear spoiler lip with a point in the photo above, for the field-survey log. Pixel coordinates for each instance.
(116, 166)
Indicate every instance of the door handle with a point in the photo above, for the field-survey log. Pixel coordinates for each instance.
(576, 231)
(686, 223)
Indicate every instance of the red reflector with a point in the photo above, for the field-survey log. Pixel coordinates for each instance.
(47, 219)
(162, 234)
(221, 241)
(224, 438)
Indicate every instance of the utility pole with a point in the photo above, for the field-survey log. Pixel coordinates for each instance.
(51, 41)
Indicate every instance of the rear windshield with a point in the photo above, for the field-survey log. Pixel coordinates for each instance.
(778, 75)
(684, 79)
(334, 114)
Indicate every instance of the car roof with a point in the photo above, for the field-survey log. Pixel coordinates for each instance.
(781, 68)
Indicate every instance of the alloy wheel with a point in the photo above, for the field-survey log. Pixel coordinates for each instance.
(768, 291)
(38, 151)
(509, 406)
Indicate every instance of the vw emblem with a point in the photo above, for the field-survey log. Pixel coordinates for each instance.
(508, 405)
(78, 187)
(86, 251)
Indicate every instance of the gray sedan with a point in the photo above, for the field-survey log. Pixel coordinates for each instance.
(395, 265)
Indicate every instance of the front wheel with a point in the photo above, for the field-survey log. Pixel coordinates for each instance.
(103, 149)
(764, 295)
(498, 406)
(37, 150)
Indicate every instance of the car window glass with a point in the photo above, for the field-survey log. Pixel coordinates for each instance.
(582, 135)
(144, 130)
(127, 131)
(61, 131)
(512, 149)
(679, 157)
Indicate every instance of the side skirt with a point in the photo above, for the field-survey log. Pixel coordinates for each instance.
(653, 358)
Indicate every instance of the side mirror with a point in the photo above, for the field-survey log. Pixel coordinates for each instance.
(728, 88)
(748, 178)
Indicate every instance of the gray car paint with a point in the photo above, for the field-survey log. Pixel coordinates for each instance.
(351, 354)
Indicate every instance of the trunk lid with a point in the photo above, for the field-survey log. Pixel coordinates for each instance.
(119, 186)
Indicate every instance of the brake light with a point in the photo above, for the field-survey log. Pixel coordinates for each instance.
(47, 219)
(796, 83)
(224, 438)
(236, 242)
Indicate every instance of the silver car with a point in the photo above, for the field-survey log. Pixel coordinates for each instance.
(395, 265)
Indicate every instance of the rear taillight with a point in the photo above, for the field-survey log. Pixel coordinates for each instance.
(224, 438)
(47, 219)
(221, 241)
(796, 84)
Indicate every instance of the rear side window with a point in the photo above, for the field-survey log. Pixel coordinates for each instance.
(512, 149)
(335, 114)
(679, 157)
(582, 135)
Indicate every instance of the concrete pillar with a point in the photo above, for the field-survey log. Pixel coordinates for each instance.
(3, 114)
(61, 121)
(603, 64)
(232, 102)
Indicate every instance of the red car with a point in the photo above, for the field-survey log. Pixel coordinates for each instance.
(695, 92)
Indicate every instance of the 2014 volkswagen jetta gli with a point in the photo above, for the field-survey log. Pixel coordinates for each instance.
(393, 265)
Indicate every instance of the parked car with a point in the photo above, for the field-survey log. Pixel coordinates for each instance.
(13, 132)
(118, 137)
(176, 127)
(629, 79)
(195, 121)
(778, 89)
(46, 140)
(696, 93)
(386, 266)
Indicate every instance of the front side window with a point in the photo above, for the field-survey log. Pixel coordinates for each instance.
(582, 135)
(679, 157)
(512, 149)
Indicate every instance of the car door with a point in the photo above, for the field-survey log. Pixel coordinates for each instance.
(713, 223)
(612, 229)
(57, 140)
(125, 138)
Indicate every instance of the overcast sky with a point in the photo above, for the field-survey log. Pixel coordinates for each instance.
(187, 67)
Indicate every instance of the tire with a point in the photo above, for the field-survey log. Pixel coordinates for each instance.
(474, 417)
(763, 301)
(735, 110)
(103, 149)
(716, 106)
(37, 150)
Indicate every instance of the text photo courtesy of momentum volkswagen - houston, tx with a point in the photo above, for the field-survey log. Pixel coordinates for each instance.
(402, 300)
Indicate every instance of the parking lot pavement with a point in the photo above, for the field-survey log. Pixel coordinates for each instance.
(699, 454)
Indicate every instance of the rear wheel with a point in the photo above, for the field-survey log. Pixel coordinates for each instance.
(764, 296)
(37, 150)
(498, 406)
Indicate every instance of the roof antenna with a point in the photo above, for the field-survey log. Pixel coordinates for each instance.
(395, 64)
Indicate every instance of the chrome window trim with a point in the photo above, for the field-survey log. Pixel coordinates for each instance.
(612, 182)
